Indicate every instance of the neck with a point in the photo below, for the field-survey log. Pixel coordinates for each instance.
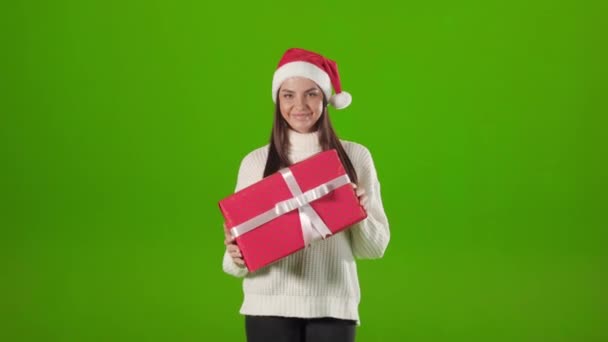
(304, 142)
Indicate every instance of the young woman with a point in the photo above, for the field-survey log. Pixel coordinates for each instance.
(312, 295)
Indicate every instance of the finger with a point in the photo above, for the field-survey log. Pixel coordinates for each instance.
(354, 185)
(239, 261)
(236, 254)
(360, 192)
(228, 235)
(229, 238)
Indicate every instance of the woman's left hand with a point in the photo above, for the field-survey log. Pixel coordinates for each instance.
(363, 199)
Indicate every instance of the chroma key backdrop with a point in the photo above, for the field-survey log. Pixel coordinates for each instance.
(123, 123)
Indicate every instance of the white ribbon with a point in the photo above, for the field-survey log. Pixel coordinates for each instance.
(313, 227)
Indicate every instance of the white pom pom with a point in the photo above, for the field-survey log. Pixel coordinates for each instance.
(340, 101)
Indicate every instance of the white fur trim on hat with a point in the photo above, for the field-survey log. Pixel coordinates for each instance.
(341, 100)
(303, 69)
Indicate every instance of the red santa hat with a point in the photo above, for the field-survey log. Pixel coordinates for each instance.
(323, 71)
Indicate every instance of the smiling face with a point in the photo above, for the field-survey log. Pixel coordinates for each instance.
(301, 103)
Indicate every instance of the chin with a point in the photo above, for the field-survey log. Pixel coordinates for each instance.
(302, 129)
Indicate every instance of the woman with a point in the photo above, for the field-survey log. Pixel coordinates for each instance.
(312, 295)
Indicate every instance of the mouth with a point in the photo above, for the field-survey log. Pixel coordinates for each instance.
(301, 116)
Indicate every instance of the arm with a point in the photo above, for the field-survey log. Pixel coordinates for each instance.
(370, 237)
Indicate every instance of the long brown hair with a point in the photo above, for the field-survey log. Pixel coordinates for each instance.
(279, 142)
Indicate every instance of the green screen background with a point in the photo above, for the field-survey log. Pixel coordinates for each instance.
(123, 123)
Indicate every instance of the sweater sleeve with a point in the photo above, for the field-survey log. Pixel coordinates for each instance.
(369, 237)
(231, 268)
(250, 171)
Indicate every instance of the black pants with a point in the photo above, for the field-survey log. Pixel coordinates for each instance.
(287, 329)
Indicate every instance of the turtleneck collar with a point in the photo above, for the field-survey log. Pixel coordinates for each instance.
(304, 142)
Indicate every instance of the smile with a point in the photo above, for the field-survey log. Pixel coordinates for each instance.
(301, 115)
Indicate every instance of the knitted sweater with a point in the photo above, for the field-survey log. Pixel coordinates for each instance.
(320, 280)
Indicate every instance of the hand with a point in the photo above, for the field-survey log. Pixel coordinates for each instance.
(232, 248)
(363, 198)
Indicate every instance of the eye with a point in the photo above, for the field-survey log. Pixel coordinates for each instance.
(313, 94)
(287, 96)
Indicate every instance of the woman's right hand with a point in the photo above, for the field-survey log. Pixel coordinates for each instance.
(232, 248)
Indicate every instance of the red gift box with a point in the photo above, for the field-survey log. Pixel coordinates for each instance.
(292, 208)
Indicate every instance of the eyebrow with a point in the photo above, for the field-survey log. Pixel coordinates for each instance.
(291, 91)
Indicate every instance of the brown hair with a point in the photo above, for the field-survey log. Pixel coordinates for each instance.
(279, 142)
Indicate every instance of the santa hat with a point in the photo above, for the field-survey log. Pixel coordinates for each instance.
(323, 71)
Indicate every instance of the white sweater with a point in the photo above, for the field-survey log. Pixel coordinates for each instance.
(321, 280)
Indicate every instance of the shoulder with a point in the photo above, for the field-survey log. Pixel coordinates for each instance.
(252, 167)
(257, 156)
(358, 153)
(361, 158)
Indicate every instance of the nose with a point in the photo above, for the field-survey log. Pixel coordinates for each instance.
(301, 101)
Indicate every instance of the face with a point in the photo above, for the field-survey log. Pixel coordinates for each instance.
(301, 103)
